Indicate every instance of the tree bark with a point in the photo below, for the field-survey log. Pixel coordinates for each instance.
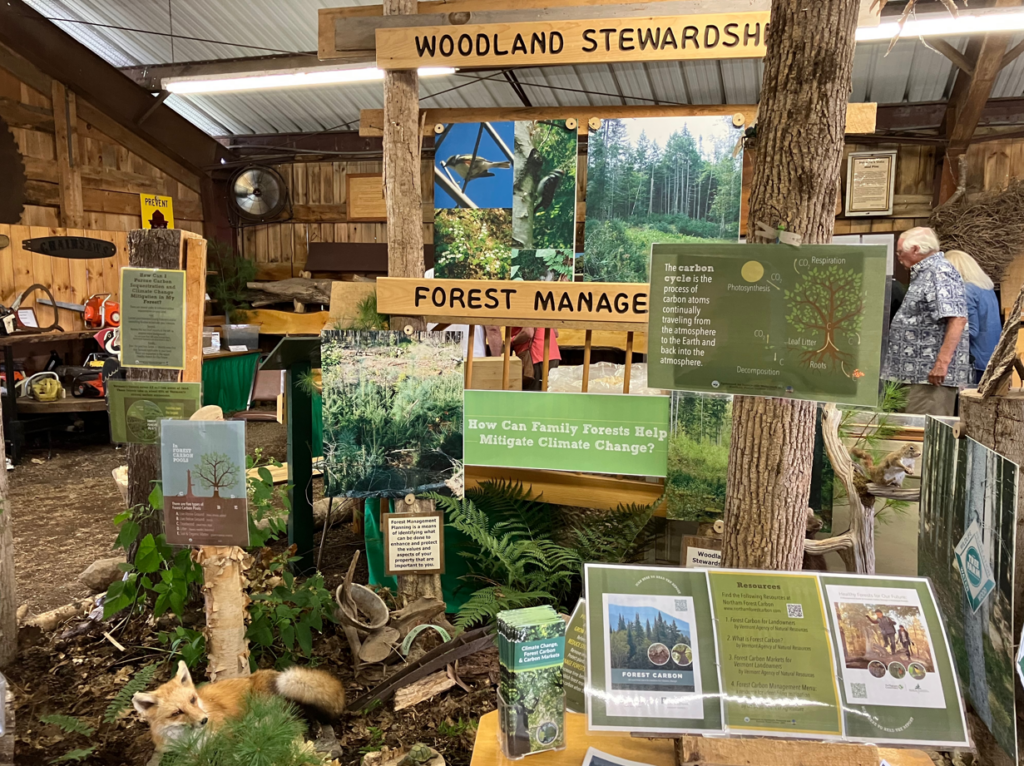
(808, 71)
(525, 187)
(8, 591)
(415, 586)
(149, 249)
(226, 607)
(402, 195)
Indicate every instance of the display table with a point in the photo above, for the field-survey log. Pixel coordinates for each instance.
(656, 752)
(229, 378)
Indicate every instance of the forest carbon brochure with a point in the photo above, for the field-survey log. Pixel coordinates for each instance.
(802, 655)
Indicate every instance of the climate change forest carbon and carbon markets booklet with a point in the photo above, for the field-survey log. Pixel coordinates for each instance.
(816, 656)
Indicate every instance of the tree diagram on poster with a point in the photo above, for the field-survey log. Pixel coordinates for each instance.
(825, 303)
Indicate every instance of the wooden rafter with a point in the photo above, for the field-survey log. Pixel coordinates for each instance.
(947, 50)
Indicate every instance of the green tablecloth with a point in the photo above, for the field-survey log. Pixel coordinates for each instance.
(227, 381)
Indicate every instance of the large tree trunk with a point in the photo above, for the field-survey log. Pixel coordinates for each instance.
(808, 69)
(149, 249)
(8, 591)
(402, 196)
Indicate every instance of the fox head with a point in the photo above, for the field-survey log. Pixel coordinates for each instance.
(173, 708)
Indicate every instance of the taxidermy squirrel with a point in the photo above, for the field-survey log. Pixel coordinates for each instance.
(893, 468)
(178, 706)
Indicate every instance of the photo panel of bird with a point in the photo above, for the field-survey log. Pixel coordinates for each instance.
(473, 166)
(544, 192)
(658, 180)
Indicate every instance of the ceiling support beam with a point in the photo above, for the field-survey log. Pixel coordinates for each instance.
(952, 54)
(151, 76)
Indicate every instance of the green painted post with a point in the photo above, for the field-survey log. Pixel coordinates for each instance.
(300, 465)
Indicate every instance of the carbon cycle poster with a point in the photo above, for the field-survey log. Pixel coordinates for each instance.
(787, 654)
(768, 320)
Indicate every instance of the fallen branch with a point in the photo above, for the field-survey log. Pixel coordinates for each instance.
(423, 690)
(48, 621)
(295, 289)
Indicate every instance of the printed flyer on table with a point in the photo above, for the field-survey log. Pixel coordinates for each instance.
(803, 655)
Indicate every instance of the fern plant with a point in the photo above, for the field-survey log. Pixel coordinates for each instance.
(123, 699)
(71, 725)
(526, 552)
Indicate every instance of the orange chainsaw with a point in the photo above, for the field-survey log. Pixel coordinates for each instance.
(98, 312)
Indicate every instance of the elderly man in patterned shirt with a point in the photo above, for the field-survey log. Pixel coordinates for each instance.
(928, 339)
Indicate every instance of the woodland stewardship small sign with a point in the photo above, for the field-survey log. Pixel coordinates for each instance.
(588, 41)
(597, 433)
(476, 299)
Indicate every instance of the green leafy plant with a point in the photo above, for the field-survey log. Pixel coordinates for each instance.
(268, 504)
(229, 285)
(139, 682)
(376, 740)
(269, 734)
(457, 728)
(185, 644)
(72, 726)
(282, 621)
(527, 552)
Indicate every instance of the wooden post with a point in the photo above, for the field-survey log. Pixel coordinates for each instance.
(8, 591)
(629, 363)
(545, 339)
(300, 466)
(506, 360)
(469, 357)
(402, 194)
(69, 176)
(150, 249)
(414, 586)
(586, 361)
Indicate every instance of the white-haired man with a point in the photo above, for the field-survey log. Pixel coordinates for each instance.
(928, 342)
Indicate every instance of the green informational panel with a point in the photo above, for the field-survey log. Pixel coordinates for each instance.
(768, 320)
(137, 407)
(774, 643)
(895, 668)
(597, 433)
(651, 656)
(153, 318)
(818, 656)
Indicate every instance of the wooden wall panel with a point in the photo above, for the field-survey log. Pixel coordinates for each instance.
(69, 280)
(111, 175)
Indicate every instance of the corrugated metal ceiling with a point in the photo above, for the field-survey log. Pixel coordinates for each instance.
(913, 72)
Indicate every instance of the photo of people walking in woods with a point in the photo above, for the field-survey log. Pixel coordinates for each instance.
(658, 179)
(883, 633)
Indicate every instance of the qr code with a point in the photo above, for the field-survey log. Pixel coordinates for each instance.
(859, 691)
(682, 605)
(795, 611)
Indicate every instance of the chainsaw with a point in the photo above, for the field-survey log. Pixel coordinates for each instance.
(98, 312)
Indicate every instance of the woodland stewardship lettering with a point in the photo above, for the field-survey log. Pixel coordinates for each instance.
(597, 40)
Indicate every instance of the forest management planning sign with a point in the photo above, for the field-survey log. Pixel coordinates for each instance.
(768, 320)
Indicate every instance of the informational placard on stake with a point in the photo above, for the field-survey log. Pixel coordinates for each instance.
(596, 433)
(153, 318)
(574, 669)
(137, 407)
(768, 320)
(204, 483)
(800, 655)
(413, 543)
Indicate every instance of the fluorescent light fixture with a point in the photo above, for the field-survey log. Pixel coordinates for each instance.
(292, 78)
(938, 25)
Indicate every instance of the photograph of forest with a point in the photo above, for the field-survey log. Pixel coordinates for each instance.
(644, 637)
(698, 455)
(543, 265)
(883, 633)
(658, 179)
(962, 481)
(392, 412)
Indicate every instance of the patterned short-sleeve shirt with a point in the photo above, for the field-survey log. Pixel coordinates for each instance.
(936, 293)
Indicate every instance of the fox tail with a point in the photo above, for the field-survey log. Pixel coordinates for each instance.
(320, 695)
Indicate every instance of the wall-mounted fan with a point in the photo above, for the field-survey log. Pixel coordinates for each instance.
(258, 193)
(12, 171)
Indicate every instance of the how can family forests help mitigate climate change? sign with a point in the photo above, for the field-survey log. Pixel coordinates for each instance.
(765, 320)
(597, 433)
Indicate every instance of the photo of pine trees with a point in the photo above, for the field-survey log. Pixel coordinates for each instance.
(658, 179)
(698, 455)
(963, 482)
(392, 409)
(644, 637)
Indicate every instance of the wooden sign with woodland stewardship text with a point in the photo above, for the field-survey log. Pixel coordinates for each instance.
(589, 41)
(537, 304)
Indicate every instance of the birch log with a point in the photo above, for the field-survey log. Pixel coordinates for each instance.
(224, 584)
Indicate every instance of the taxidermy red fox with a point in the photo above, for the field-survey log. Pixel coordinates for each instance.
(178, 705)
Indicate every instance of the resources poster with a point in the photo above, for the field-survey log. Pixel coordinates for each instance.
(137, 407)
(596, 433)
(799, 655)
(768, 320)
(153, 318)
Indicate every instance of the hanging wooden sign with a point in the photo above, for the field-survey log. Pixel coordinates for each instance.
(554, 302)
(589, 41)
(71, 247)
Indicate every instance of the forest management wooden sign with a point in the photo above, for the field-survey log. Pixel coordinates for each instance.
(589, 41)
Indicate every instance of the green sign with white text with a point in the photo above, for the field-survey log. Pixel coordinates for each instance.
(595, 433)
(137, 407)
(768, 320)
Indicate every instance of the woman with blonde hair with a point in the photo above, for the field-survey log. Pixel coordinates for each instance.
(982, 309)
